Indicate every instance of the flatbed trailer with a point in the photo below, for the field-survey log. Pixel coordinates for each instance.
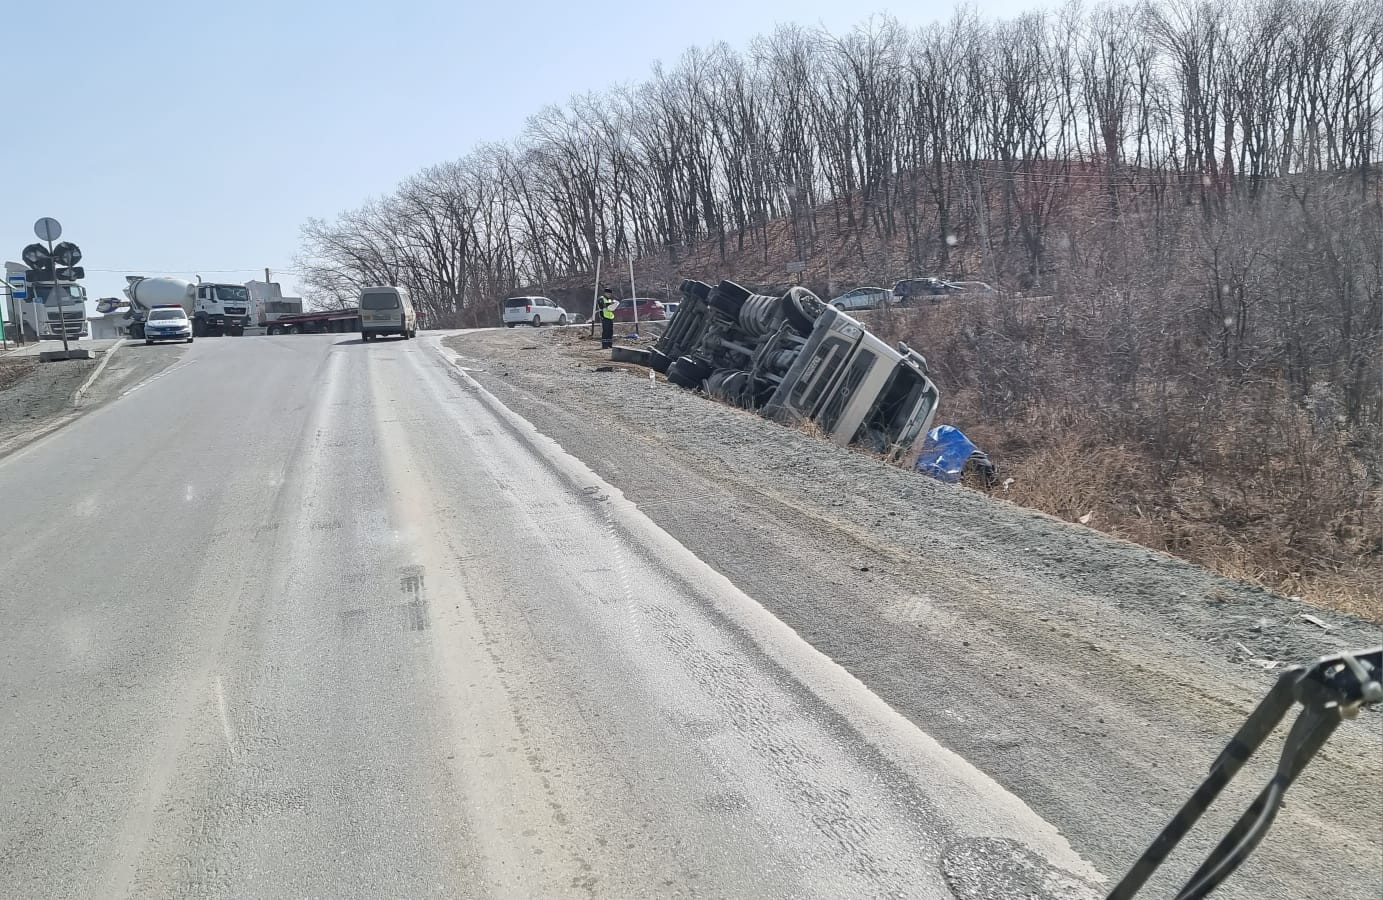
(334, 321)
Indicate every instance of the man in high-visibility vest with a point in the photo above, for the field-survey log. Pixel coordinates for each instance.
(605, 310)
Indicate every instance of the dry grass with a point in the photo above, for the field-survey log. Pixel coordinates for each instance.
(1315, 536)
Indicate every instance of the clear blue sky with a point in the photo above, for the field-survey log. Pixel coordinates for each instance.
(197, 137)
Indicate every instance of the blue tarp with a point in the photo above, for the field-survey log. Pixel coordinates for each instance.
(945, 453)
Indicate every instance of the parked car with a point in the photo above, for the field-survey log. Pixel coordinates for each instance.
(533, 311)
(167, 323)
(912, 289)
(649, 310)
(670, 309)
(863, 298)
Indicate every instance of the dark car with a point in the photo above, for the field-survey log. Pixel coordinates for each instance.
(910, 290)
(649, 310)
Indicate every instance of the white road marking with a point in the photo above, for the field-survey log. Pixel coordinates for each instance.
(153, 378)
(79, 395)
(225, 717)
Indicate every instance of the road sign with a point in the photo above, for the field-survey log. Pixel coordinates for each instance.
(35, 255)
(48, 229)
(67, 254)
(19, 287)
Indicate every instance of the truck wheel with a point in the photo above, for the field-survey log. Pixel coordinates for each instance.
(727, 298)
(688, 372)
(272, 329)
(801, 308)
(659, 360)
(198, 328)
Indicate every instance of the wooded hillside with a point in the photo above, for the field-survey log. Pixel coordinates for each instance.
(1195, 186)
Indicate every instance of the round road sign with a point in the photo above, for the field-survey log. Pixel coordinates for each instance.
(48, 229)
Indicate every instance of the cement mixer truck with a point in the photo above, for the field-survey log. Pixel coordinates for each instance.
(215, 309)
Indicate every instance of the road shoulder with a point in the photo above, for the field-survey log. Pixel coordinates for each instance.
(1093, 678)
(37, 399)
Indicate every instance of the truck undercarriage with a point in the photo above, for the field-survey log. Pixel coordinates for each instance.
(795, 359)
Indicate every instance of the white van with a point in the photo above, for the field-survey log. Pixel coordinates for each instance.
(387, 310)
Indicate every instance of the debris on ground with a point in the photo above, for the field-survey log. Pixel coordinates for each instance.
(947, 454)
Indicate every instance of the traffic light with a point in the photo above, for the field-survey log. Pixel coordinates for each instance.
(44, 271)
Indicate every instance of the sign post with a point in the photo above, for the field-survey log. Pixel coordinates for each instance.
(17, 288)
(55, 266)
(595, 294)
(633, 295)
(49, 230)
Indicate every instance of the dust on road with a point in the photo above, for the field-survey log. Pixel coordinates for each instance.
(1094, 678)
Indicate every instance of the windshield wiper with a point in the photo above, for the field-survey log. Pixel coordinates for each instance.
(1330, 690)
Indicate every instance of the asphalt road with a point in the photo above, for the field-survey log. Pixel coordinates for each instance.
(305, 617)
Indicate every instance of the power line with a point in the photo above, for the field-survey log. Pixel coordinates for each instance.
(142, 269)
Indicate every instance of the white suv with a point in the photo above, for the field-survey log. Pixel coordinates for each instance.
(533, 311)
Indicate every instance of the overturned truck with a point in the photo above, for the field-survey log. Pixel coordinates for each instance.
(795, 359)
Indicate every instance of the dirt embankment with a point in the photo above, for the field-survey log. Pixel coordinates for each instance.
(1093, 677)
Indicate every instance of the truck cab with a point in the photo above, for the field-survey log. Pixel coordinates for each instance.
(856, 388)
(44, 318)
(221, 309)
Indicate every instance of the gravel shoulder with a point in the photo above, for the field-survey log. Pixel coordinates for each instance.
(1092, 677)
(37, 398)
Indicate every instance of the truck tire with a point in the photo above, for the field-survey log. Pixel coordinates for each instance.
(688, 372)
(633, 355)
(659, 361)
(198, 328)
(272, 329)
(727, 298)
(801, 308)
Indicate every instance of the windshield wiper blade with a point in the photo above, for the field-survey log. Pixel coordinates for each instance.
(1330, 690)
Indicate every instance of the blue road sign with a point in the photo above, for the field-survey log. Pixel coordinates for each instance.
(19, 286)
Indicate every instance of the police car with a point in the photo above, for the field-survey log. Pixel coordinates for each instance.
(167, 323)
